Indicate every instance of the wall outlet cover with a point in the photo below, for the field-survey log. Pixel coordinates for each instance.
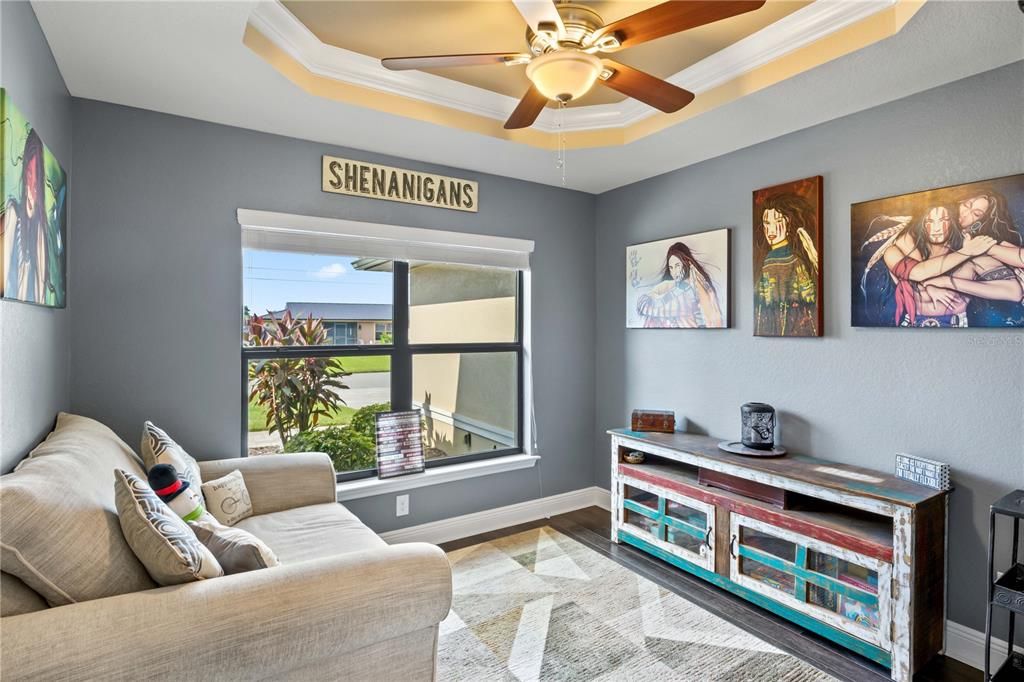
(401, 505)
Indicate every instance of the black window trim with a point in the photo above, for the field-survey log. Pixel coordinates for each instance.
(401, 353)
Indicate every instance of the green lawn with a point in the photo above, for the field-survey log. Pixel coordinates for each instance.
(358, 364)
(258, 417)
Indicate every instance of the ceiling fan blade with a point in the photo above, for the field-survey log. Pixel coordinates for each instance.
(646, 88)
(528, 110)
(445, 60)
(672, 17)
(537, 12)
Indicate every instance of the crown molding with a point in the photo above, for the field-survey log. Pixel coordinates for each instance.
(803, 27)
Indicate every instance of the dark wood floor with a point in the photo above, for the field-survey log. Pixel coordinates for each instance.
(592, 527)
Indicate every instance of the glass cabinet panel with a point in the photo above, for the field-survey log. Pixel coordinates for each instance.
(686, 514)
(647, 499)
(640, 521)
(772, 577)
(683, 539)
(783, 549)
(846, 603)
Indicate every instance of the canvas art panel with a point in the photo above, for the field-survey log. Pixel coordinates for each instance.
(788, 259)
(33, 214)
(949, 257)
(679, 283)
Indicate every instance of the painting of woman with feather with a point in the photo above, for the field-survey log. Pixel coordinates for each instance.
(948, 257)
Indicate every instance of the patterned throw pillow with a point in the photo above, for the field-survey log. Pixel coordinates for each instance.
(228, 499)
(166, 546)
(159, 448)
(236, 550)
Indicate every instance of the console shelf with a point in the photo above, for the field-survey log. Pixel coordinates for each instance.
(855, 555)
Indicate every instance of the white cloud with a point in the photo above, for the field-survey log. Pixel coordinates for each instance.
(332, 271)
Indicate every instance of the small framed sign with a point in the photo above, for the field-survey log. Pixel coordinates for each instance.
(399, 444)
(924, 471)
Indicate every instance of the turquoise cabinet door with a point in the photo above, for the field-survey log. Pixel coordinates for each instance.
(678, 524)
(836, 586)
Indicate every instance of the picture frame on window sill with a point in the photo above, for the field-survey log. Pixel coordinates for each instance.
(399, 443)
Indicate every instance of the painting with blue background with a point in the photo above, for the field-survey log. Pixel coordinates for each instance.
(946, 257)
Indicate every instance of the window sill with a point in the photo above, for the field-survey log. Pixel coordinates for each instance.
(353, 490)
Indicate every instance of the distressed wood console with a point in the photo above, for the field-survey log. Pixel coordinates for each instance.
(855, 555)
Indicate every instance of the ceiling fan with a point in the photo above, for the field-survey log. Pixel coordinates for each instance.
(564, 40)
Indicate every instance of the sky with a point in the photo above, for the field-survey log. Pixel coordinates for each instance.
(271, 279)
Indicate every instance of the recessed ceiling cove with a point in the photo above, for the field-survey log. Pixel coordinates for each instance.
(333, 49)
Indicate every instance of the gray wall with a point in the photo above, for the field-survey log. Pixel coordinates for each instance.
(33, 340)
(856, 395)
(157, 279)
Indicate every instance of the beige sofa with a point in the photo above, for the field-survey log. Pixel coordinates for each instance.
(343, 604)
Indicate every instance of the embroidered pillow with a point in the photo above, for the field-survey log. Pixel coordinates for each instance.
(159, 448)
(237, 550)
(166, 546)
(228, 499)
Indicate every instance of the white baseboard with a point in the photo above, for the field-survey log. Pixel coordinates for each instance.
(968, 646)
(485, 521)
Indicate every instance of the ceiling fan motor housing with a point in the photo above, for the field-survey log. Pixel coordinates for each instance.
(580, 24)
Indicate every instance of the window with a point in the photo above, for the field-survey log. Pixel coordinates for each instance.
(330, 340)
(342, 333)
(382, 332)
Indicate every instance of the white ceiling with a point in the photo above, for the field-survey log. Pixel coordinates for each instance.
(187, 58)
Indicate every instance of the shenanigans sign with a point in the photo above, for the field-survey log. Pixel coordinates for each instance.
(361, 179)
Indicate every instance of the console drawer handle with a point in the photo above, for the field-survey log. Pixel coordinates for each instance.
(732, 544)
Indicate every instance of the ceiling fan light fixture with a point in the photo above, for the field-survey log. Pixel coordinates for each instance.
(564, 75)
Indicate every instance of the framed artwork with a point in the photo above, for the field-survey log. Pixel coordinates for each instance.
(946, 257)
(788, 259)
(679, 283)
(399, 443)
(33, 214)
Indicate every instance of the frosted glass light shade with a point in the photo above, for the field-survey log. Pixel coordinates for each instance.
(564, 75)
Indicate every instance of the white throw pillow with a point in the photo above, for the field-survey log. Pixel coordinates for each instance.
(227, 498)
(159, 448)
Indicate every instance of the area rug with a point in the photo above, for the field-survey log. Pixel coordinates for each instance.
(538, 605)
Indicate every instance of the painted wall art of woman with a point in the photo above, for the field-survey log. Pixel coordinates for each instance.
(986, 213)
(938, 270)
(33, 240)
(952, 256)
(786, 294)
(684, 298)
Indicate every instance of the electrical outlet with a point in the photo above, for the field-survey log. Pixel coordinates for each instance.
(401, 505)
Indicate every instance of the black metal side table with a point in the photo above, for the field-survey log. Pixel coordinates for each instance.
(1008, 591)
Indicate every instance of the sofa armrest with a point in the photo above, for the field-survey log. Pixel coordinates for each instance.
(278, 482)
(244, 626)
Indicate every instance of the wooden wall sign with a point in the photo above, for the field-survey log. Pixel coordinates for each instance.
(362, 179)
(924, 471)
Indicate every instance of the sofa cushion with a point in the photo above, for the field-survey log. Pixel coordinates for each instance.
(16, 597)
(313, 532)
(237, 550)
(159, 448)
(59, 531)
(167, 547)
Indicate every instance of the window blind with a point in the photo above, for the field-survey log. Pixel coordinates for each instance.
(273, 231)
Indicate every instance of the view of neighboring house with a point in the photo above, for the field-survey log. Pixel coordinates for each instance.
(352, 324)
(458, 304)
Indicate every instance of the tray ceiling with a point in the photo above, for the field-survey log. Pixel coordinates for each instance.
(191, 59)
(722, 62)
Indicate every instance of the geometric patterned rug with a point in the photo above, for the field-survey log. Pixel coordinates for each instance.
(538, 605)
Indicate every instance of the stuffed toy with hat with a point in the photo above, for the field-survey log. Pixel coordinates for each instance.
(176, 492)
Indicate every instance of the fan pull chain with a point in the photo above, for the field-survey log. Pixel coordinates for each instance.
(560, 134)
